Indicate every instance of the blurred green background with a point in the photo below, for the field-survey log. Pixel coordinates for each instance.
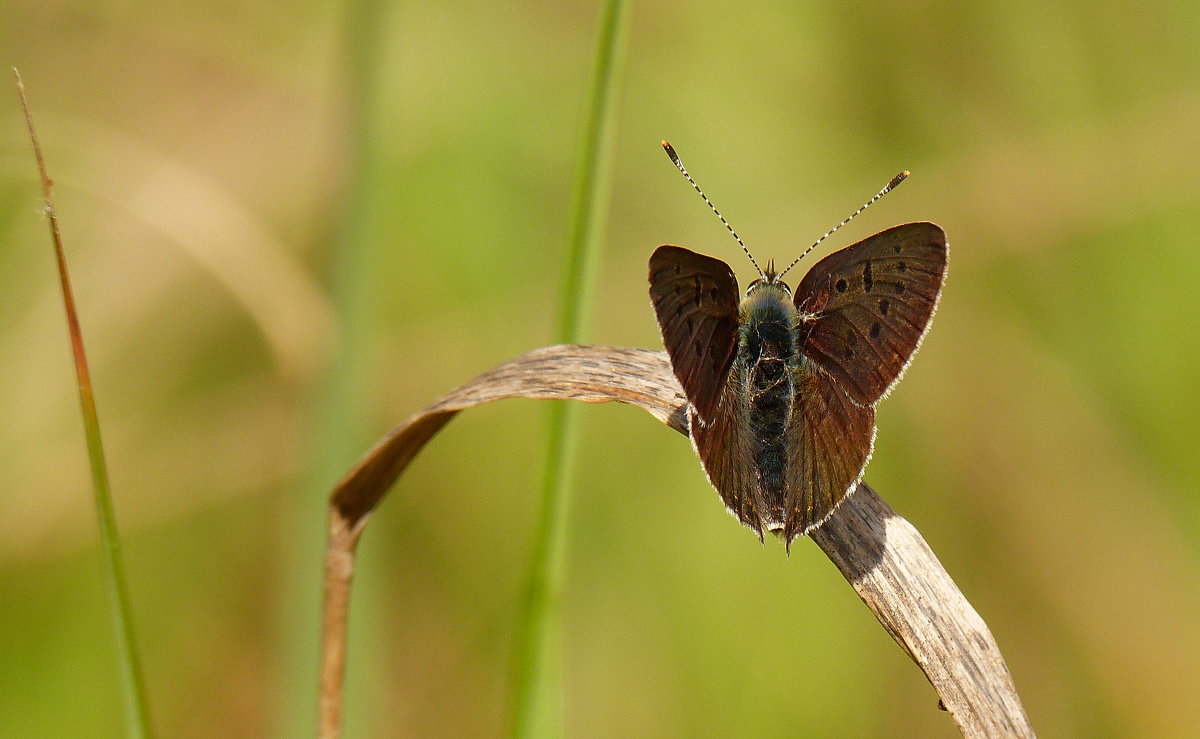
(292, 224)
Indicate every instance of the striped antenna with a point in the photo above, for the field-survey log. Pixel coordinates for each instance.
(887, 188)
(666, 145)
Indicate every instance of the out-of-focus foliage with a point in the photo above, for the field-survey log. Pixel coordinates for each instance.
(206, 159)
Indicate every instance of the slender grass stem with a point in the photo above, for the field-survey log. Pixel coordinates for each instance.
(343, 401)
(133, 692)
(537, 709)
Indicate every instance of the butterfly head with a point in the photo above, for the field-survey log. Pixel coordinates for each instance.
(769, 279)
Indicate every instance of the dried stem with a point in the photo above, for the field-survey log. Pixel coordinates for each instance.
(882, 556)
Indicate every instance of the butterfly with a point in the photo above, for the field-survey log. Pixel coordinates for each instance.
(782, 386)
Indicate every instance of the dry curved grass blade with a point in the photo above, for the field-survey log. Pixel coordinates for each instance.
(882, 556)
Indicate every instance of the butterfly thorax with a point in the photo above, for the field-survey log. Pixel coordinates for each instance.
(765, 364)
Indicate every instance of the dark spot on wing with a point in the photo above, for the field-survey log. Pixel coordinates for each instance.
(840, 285)
(868, 280)
(875, 329)
(901, 266)
(899, 287)
(884, 306)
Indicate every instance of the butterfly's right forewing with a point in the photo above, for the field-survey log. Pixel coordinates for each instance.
(869, 305)
(696, 300)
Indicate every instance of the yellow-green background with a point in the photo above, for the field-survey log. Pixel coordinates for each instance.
(290, 228)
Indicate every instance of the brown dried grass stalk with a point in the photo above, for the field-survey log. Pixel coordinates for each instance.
(883, 556)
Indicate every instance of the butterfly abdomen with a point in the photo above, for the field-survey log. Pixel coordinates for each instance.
(768, 355)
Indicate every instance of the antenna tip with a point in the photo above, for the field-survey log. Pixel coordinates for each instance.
(666, 145)
(898, 179)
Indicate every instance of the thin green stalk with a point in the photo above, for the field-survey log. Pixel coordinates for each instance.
(342, 398)
(537, 699)
(133, 692)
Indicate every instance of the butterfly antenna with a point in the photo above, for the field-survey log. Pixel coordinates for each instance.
(666, 145)
(888, 188)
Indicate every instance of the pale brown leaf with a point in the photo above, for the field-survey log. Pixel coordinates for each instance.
(882, 555)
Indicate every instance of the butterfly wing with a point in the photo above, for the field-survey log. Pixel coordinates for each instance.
(830, 438)
(696, 300)
(726, 449)
(865, 308)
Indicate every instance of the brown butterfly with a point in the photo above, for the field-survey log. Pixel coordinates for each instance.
(782, 388)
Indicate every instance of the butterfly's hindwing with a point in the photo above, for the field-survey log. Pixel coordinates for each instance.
(696, 300)
(867, 307)
(830, 438)
(726, 449)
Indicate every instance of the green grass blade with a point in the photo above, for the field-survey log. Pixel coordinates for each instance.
(342, 399)
(133, 692)
(537, 709)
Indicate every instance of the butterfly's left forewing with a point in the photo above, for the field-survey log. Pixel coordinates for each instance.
(696, 300)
